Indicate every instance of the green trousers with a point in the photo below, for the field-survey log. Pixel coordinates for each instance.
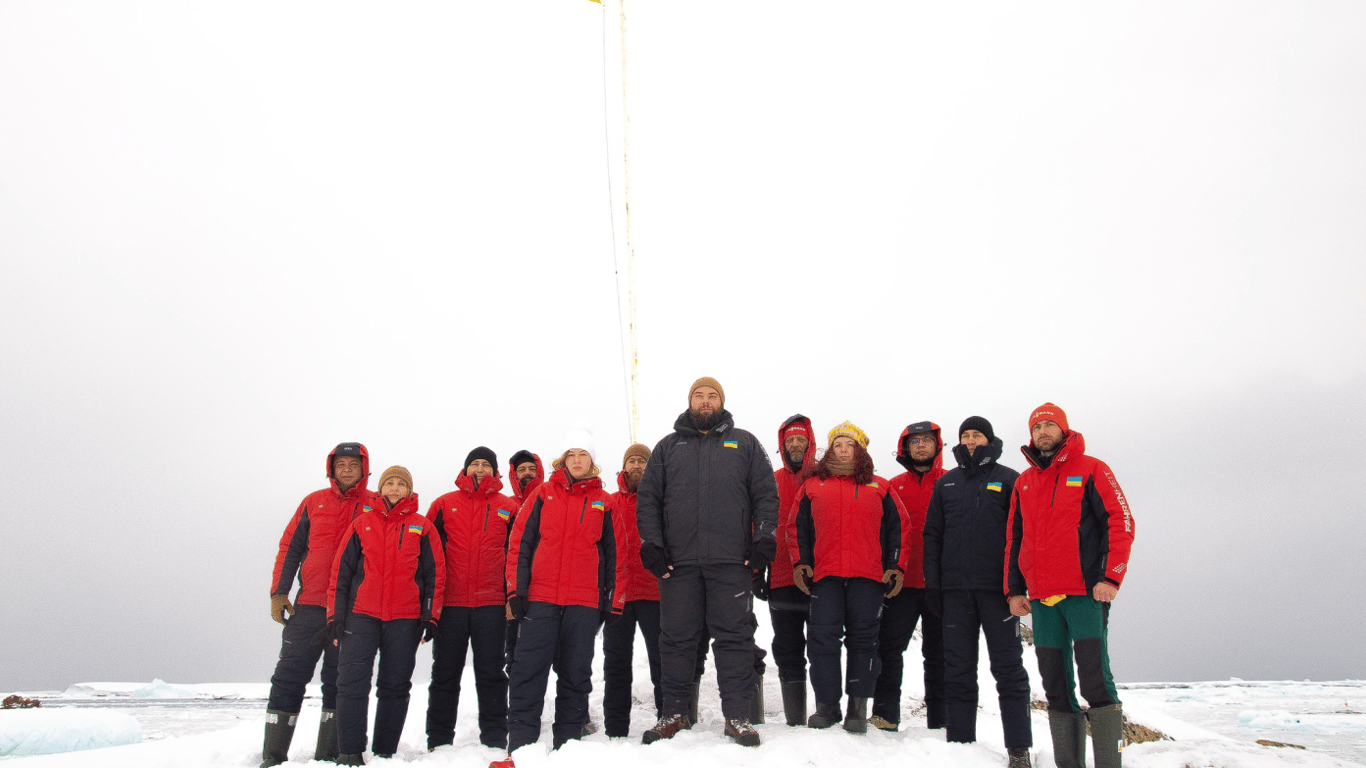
(1078, 624)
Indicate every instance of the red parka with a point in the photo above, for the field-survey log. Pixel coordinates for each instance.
(1069, 527)
(636, 582)
(915, 490)
(390, 566)
(314, 533)
(473, 524)
(780, 573)
(847, 529)
(563, 548)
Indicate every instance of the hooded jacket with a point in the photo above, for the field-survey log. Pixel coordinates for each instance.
(636, 583)
(915, 491)
(474, 524)
(519, 494)
(390, 566)
(310, 541)
(786, 478)
(709, 499)
(965, 525)
(847, 529)
(563, 548)
(1070, 525)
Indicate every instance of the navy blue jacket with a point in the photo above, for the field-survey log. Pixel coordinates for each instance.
(965, 525)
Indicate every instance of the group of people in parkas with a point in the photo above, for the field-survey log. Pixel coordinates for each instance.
(699, 527)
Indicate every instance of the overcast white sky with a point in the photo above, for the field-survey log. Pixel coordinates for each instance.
(232, 236)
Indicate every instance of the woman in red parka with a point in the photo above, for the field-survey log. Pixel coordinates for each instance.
(846, 551)
(385, 598)
(562, 573)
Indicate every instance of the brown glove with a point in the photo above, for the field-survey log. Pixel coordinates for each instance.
(278, 605)
(893, 579)
(799, 576)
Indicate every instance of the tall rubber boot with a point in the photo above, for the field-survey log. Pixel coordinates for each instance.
(327, 737)
(693, 697)
(856, 721)
(1107, 730)
(756, 703)
(1069, 738)
(279, 733)
(794, 701)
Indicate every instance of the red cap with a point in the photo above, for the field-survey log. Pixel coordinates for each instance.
(1048, 412)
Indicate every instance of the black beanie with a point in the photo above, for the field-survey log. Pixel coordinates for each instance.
(521, 457)
(978, 423)
(481, 453)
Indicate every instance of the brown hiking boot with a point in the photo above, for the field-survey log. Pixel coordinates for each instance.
(667, 727)
(1018, 757)
(882, 723)
(741, 732)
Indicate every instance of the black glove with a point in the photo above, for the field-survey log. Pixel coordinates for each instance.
(759, 556)
(429, 631)
(654, 559)
(517, 607)
(758, 583)
(330, 634)
(934, 601)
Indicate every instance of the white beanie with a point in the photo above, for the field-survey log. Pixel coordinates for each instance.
(580, 437)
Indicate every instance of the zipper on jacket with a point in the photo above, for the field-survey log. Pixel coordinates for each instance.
(583, 510)
(401, 530)
(1053, 501)
(486, 515)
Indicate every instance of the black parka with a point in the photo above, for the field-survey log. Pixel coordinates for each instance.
(708, 499)
(965, 525)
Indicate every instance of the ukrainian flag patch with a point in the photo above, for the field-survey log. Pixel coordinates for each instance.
(874, 485)
(365, 509)
(414, 529)
(994, 487)
(730, 444)
(503, 513)
(1074, 482)
(598, 506)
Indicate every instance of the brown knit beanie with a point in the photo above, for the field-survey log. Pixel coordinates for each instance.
(707, 381)
(398, 472)
(636, 449)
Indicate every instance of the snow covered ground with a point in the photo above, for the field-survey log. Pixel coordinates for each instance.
(1212, 724)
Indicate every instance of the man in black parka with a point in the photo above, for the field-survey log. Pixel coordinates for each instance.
(965, 540)
(707, 509)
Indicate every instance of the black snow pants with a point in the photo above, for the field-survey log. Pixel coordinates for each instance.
(562, 637)
(714, 599)
(848, 609)
(483, 630)
(899, 617)
(966, 612)
(396, 643)
(298, 659)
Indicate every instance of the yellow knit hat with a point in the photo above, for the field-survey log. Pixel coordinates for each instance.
(847, 429)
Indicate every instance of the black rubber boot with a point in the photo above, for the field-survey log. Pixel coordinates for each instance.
(856, 721)
(327, 737)
(756, 703)
(693, 698)
(279, 733)
(826, 715)
(350, 760)
(1107, 730)
(1069, 738)
(794, 701)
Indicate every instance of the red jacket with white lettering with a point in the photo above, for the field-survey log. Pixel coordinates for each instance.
(847, 529)
(915, 491)
(780, 573)
(311, 538)
(636, 582)
(390, 566)
(563, 548)
(473, 524)
(1069, 527)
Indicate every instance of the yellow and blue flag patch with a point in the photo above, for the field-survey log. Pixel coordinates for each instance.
(365, 509)
(730, 444)
(994, 487)
(414, 529)
(874, 485)
(598, 506)
(1074, 482)
(506, 515)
